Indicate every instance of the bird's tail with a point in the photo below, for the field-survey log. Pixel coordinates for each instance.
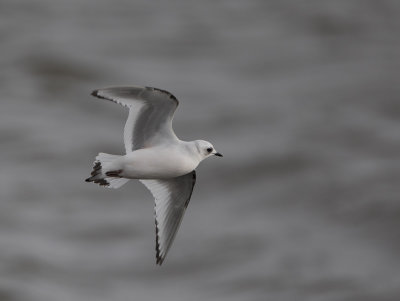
(104, 172)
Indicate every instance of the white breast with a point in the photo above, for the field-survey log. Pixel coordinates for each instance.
(157, 163)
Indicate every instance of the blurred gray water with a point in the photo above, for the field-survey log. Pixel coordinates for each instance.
(302, 97)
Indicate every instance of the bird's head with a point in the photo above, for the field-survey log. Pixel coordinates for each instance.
(206, 149)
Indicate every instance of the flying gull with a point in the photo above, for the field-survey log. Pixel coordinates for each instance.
(155, 156)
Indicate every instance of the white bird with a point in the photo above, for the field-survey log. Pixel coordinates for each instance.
(155, 156)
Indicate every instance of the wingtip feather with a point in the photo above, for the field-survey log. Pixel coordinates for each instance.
(159, 258)
(169, 94)
(95, 93)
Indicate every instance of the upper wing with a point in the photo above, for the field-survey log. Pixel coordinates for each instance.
(172, 197)
(150, 114)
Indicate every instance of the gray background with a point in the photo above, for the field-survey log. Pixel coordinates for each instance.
(302, 97)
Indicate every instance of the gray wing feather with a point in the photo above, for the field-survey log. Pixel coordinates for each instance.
(172, 197)
(151, 111)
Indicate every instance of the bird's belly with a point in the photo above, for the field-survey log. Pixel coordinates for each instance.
(146, 164)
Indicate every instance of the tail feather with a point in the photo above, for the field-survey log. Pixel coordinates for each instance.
(103, 173)
(116, 182)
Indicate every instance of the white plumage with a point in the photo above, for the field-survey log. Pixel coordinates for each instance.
(155, 156)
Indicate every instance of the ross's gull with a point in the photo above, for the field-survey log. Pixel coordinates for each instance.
(155, 156)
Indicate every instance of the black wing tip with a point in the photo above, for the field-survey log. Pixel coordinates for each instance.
(169, 94)
(95, 93)
(159, 258)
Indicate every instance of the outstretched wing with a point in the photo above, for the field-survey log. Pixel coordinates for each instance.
(171, 197)
(150, 114)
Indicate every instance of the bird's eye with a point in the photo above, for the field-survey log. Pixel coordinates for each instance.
(209, 149)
